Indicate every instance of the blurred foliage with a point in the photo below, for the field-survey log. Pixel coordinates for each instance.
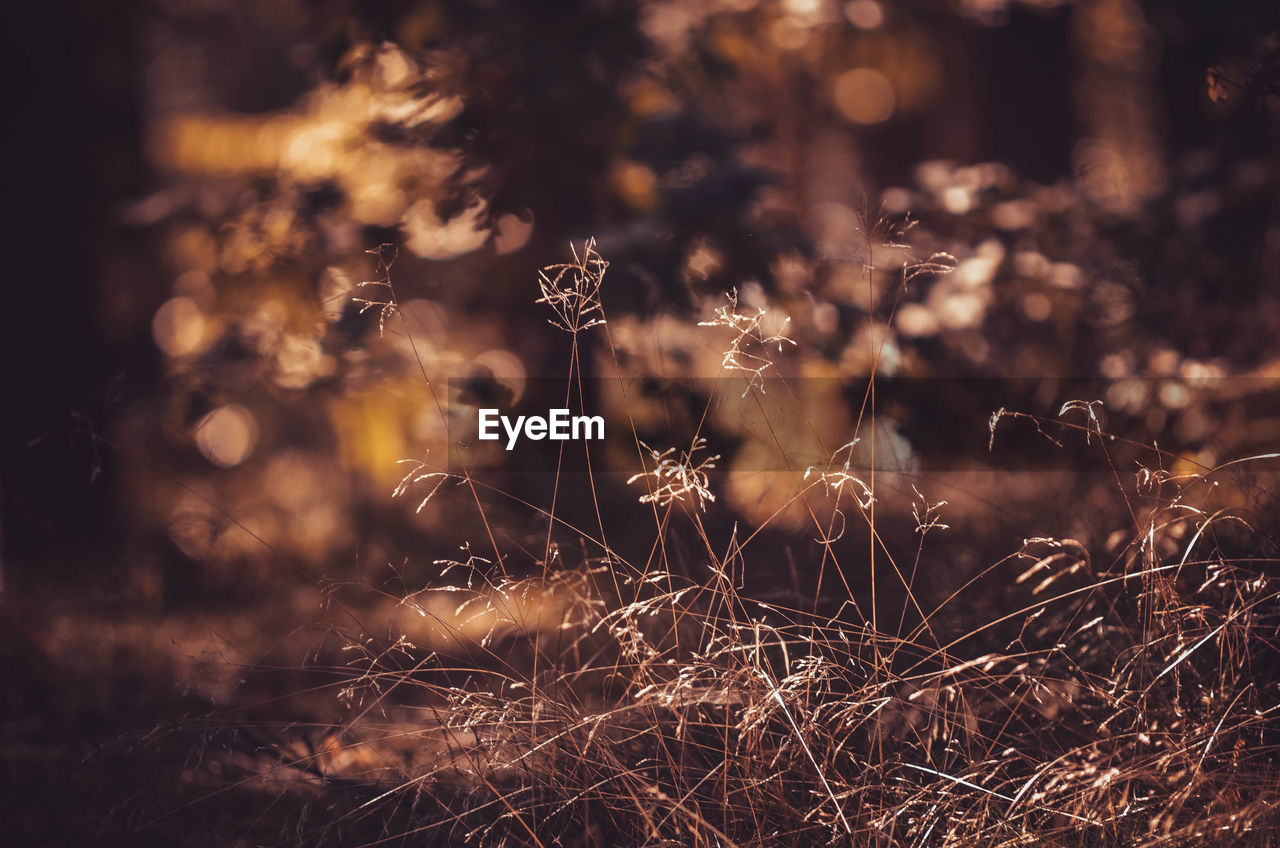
(798, 152)
(324, 253)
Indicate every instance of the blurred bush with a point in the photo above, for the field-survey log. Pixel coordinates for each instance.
(800, 153)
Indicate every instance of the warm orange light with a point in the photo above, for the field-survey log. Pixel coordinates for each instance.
(227, 436)
(864, 96)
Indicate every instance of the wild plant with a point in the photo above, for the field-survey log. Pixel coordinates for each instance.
(1117, 695)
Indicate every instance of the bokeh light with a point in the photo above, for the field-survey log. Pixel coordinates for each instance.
(179, 327)
(227, 435)
(864, 96)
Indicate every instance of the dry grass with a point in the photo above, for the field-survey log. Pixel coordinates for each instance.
(1118, 697)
